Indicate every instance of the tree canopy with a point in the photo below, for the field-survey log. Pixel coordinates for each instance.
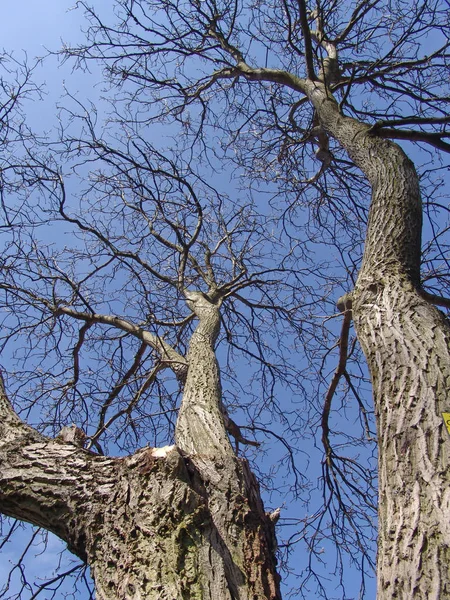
(206, 167)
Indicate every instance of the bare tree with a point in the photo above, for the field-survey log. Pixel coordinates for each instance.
(303, 102)
(155, 255)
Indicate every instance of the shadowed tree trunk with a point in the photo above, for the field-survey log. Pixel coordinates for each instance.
(182, 521)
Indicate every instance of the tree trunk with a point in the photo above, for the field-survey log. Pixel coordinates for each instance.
(146, 524)
(170, 523)
(407, 344)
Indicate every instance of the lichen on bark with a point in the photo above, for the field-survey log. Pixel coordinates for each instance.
(183, 521)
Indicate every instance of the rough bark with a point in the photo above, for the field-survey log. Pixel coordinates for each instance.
(144, 523)
(170, 523)
(407, 344)
(200, 427)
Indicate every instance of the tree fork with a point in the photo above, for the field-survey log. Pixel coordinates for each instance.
(180, 522)
(148, 524)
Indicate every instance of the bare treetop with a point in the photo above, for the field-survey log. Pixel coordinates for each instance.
(195, 249)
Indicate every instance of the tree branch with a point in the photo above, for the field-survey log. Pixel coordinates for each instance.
(169, 356)
(434, 139)
(340, 370)
(309, 55)
(439, 300)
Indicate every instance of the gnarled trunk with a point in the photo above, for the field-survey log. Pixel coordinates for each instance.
(407, 344)
(178, 522)
(148, 525)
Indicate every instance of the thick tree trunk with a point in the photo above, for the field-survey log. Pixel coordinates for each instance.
(407, 345)
(179, 522)
(146, 524)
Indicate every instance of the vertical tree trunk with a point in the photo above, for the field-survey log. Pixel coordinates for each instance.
(407, 345)
(200, 429)
(406, 342)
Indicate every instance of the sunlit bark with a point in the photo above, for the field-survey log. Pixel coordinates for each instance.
(174, 522)
(407, 345)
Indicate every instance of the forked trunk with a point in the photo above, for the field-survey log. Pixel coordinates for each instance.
(148, 525)
(180, 522)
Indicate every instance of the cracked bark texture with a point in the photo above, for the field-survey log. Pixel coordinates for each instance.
(200, 429)
(407, 344)
(167, 523)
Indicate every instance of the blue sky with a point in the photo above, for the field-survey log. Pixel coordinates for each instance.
(33, 25)
(33, 29)
(36, 27)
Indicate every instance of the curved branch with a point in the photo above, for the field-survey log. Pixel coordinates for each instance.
(340, 371)
(432, 138)
(169, 356)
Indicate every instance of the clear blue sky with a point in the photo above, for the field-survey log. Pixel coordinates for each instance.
(33, 27)
(36, 26)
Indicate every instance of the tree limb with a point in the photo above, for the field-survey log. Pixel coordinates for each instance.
(340, 370)
(434, 139)
(169, 356)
